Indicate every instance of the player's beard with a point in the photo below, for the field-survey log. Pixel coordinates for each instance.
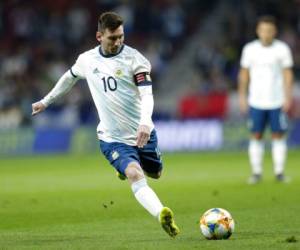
(115, 50)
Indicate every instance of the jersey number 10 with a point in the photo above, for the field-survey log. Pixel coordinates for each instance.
(109, 83)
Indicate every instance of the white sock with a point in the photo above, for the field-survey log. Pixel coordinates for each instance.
(279, 149)
(256, 153)
(146, 197)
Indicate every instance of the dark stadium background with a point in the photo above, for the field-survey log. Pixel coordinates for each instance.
(194, 47)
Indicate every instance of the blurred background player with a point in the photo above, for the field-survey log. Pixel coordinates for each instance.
(266, 68)
(118, 77)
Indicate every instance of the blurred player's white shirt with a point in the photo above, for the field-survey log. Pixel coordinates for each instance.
(265, 64)
(113, 89)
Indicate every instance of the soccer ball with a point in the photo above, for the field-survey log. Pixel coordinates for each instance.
(216, 224)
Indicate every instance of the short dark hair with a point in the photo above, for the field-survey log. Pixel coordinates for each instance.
(266, 19)
(109, 20)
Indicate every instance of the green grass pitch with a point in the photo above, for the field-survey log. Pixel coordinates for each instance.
(77, 202)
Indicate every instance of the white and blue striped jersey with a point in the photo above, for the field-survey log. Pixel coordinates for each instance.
(113, 80)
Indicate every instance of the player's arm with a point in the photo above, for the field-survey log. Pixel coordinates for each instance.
(63, 85)
(144, 84)
(288, 80)
(243, 82)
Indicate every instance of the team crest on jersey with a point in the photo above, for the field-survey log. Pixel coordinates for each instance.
(115, 155)
(118, 73)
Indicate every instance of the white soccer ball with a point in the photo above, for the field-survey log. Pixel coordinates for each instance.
(216, 224)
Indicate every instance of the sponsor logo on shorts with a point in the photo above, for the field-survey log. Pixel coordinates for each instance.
(115, 155)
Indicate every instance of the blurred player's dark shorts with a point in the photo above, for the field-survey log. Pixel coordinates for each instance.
(260, 118)
(120, 155)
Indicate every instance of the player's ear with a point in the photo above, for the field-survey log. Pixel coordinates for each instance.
(98, 36)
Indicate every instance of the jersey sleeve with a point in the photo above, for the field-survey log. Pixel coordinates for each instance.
(140, 64)
(77, 70)
(64, 84)
(245, 58)
(287, 58)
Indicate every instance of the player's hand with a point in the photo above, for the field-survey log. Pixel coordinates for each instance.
(287, 106)
(243, 105)
(37, 107)
(143, 135)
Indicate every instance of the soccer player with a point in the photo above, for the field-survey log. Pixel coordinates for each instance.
(266, 73)
(119, 79)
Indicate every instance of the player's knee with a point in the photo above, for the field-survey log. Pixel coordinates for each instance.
(134, 172)
(257, 136)
(277, 135)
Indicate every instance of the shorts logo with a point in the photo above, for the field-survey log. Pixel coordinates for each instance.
(115, 155)
(283, 121)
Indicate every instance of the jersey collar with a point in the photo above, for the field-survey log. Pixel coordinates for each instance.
(110, 55)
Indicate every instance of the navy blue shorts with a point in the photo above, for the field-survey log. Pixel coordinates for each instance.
(120, 155)
(260, 118)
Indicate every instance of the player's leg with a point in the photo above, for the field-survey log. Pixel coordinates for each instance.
(151, 162)
(279, 125)
(156, 175)
(141, 190)
(149, 200)
(257, 123)
(125, 160)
